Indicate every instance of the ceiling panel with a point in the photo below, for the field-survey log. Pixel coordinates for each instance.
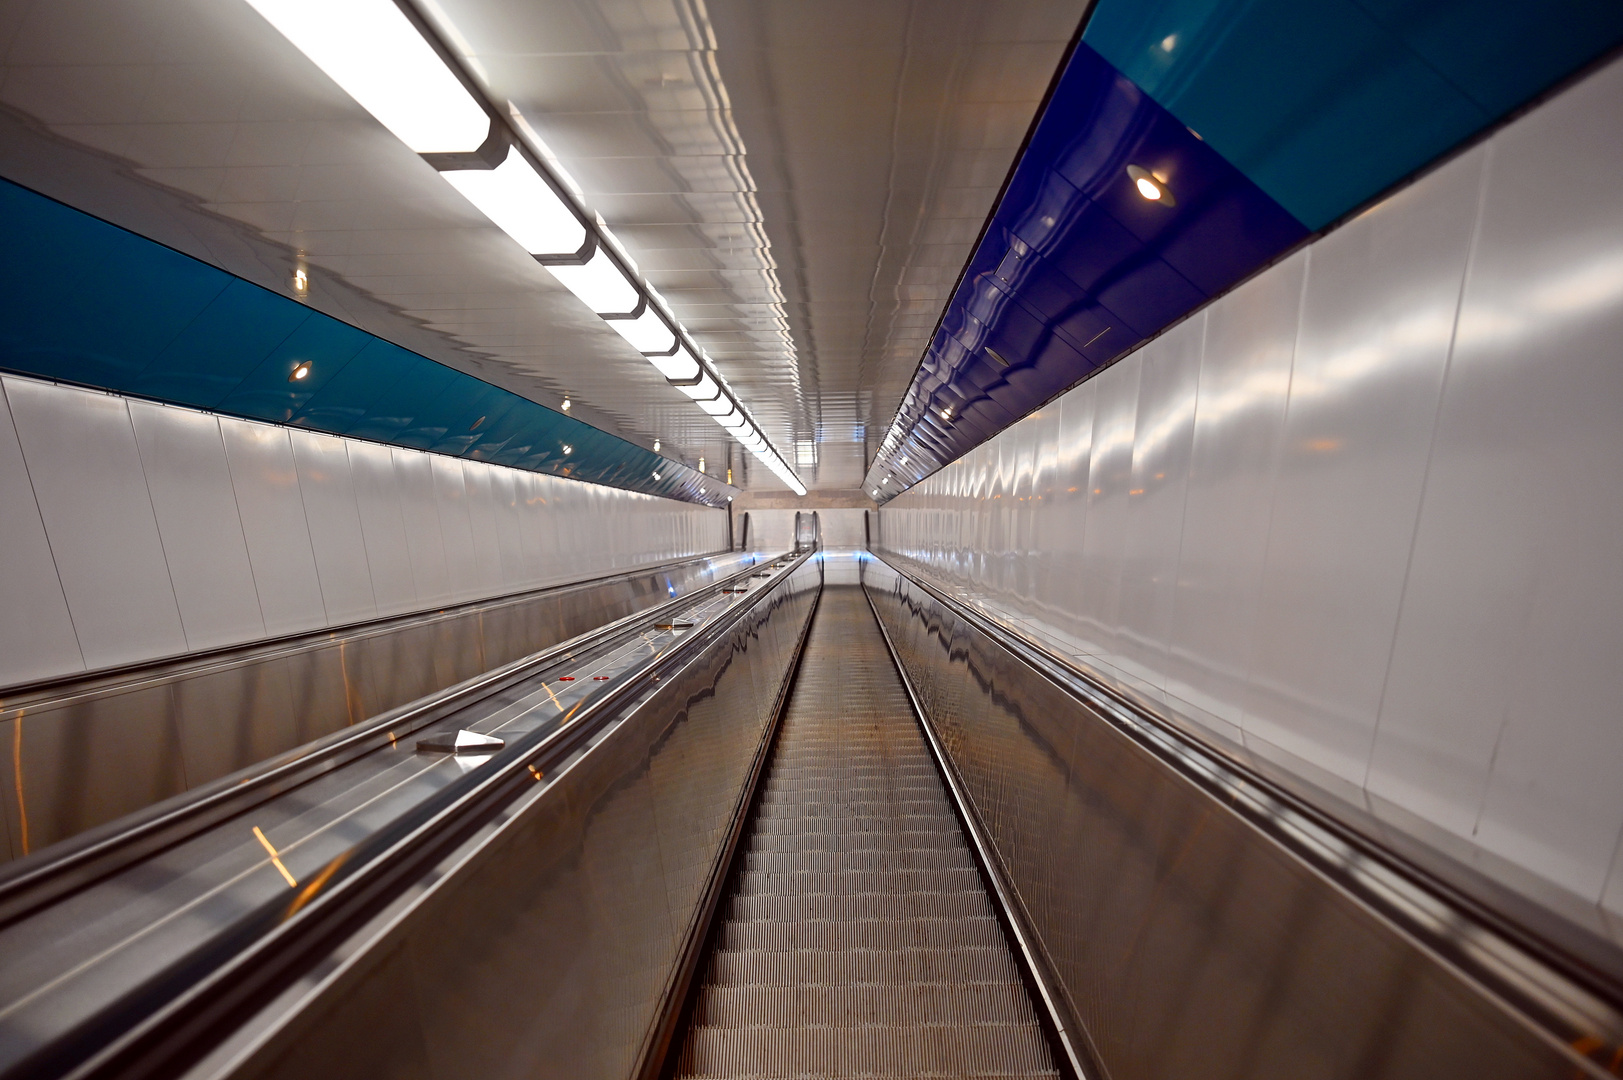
(802, 182)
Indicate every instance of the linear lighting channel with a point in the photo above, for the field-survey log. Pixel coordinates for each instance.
(375, 53)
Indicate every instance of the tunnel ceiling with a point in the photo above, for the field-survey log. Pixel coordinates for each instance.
(805, 184)
(802, 182)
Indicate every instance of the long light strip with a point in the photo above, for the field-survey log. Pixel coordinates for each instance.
(381, 59)
(372, 50)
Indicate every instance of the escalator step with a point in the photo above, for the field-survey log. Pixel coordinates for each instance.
(858, 939)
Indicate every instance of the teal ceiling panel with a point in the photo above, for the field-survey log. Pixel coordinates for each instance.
(93, 304)
(1326, 104)
(231, 337)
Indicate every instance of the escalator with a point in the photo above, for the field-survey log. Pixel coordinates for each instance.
(857, 937)
(779, 827)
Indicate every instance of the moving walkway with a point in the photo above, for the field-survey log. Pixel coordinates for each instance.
(781, 828)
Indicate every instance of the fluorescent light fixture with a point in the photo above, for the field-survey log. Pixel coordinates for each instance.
(705, 388)
(522, 205)
(680, 367)
(372, 50)
(732, 420)
(717, 406)
(599, 284)
(647, 333)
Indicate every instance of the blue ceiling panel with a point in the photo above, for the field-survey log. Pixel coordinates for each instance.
(96, 305)
(1078, 266)
(1326, 104)
(221, 347)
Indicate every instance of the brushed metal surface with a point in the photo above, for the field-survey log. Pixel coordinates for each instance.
(1188, 942)
(549, 950)
(86, 751)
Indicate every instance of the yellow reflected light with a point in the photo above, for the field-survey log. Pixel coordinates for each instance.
(1151, 185)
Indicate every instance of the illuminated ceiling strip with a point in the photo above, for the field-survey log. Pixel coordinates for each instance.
(391, 63)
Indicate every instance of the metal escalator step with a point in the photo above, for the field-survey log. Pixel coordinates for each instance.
(930, 859)
(917, 932)
(819, 1005)
(863, 1050)
(896, 966)
(858, 940)
(792, 904)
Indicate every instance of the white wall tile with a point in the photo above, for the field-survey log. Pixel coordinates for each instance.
(189, 481)
(424, 538)
(487, 555)
(1110, 475)
(507, 514)
(1155, 499)
(1523, 524)
(86, 473)
(266, 483)
(335, 526)
(41, 643)
(451, 502)
(1377, 321)
(1239, 419)
(377, 499)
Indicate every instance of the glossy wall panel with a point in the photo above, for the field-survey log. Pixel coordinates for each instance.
(44, 644)
(1186, 941)
(85, 473)
(134, 531)
(1384, 553)
(183, 458)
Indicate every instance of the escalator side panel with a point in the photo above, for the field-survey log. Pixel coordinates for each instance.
(93, 748)
(551, 951)
(1186, 942)
(858, 938)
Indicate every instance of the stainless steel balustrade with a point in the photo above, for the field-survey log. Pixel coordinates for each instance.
(546, 903)
(1194, 921)
(87, 750)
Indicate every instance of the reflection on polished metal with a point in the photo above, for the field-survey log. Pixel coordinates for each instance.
(698, 724)
(1199, 922)
(460, 741)
(186, 725)
(858, 939)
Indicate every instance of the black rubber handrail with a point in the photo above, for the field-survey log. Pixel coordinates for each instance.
(178, 1013)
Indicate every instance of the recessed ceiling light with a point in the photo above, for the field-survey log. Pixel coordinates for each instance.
(656, 476)
(1153, 186)
(701, 464)
(568, 449)
(656, 446)
(567, 403)
(301, 281)
(301, 371)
